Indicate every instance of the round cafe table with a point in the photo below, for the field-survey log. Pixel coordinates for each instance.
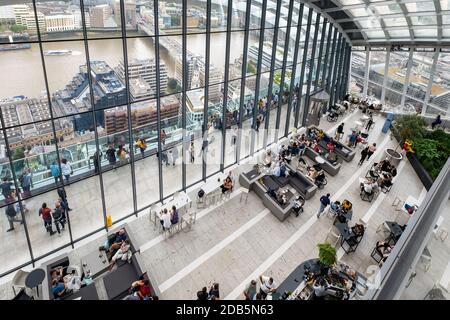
(34, 279)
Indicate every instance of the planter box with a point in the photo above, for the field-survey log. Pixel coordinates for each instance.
(421, 172)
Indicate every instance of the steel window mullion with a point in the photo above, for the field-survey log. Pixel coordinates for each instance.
(319, 60)
(344, 87)
(127, 90)
(311, 67)
(94, 116)
(294, 70)
(158, 98)
(430, 83)
(366, 73)
(327, 52)
(343, 73)
(408, 72)
(183, 95)
(302, 73)
(332, 55)
(243, 79)
(287, 41)
(50, 107)
(337, 69)
(271, 74)
(339, 79)
(206, 83)
(225, 86)
(386, 70)
(258, 73)
(335, 65)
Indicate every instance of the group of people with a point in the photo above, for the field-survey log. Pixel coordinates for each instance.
(211, 294)
(141, 290)
(56, 216)
(167, 218)
(62, 284)
(266, 286)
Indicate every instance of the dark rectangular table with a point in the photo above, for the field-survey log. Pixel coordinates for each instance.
(395, 231)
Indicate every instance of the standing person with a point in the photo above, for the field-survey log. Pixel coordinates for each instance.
(26, 182)
(66, 170)
(141, 145)
(267, 286)
(46, 214)
(324, 202)
(372, 149)
(122, 154)
(436, 122)
(6, 187)
(234, 137)
(163, 137)
(111, 155)
(56, 174)
(11, 215)
(214, 292)
(352, 139)
(258, 122)
(170, 158)
(250, 291)
(58, 216)
(340, 132)
(174, 155)
(369, 122)
(364, 153)
(97, 159)
(62, 194)
(192, 152)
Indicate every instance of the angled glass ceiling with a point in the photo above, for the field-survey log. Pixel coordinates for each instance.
(394, 21)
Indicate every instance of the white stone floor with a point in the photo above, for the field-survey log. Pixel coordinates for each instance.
(235, 241)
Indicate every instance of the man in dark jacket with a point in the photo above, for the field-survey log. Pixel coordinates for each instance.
(324, 202)
(11, 215)
(111, 155)
(62, 194)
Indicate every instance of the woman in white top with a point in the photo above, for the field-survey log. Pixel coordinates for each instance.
(66, 170)
(164, 219)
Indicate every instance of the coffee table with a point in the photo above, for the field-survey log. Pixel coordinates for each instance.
(95, 263)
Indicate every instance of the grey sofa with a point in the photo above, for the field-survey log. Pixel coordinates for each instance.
(341, 149)
(118, 281)
(330, 168)
(88, 292)
(261, 184)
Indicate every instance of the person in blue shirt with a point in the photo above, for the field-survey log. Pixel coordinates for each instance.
(58, 289)
(56, 174)
(324, 202)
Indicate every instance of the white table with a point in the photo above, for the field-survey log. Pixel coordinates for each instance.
(213, 184)
(181, 201)
(404, 213)
(319, 160)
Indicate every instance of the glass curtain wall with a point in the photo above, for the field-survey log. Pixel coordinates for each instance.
(417, 79)
(106, 105)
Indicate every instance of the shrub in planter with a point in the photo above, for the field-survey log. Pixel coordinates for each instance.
(327, 254)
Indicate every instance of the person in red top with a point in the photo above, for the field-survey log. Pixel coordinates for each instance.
(144, 292)
(47, 217)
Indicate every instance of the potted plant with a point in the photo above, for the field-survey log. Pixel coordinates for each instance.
(410, 127)
(327, 255)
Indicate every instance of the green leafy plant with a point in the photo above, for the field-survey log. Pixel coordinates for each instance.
(409, 127)
(327, 254)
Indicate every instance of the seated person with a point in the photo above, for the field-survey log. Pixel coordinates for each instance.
(384, 249)
(298, 205)
(174, 218)
(320, 135)
(335, 206)
(268, 159)
(320, 176)
(368, 186)
(58, 289)
(120, 236)
(287, 156)
(315, 147)
(227, 185)
(124, 253)
(57, 274)
(332, 158)
(276, 171)
(281, 197)
(312, 173)
(393, 171)
(72, 281)
(346, 205)
(385, 180)
(330, 146)
(384, 165)
(294, 148)
(144, 291)
(411, 208)
(320, 287)
(164, 219)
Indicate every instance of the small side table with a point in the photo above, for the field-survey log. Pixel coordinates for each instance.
(34, 279)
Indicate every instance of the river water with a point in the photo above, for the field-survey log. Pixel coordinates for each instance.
(21, 71)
